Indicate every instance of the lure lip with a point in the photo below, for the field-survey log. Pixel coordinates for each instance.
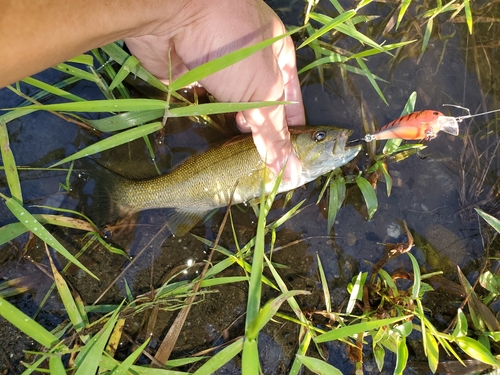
(448, 125)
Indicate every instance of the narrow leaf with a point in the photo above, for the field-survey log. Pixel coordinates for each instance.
(27, 325)
(369, 195)
(318, 366)
(32, 224)
(113, 141)
(223, 62)
(9, 164)
(355, 329)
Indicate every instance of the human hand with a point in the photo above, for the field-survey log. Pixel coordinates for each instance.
(205, 30)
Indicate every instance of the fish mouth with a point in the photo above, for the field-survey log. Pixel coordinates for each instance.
(342, 151)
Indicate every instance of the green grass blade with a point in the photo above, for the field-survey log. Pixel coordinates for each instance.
(332, 58)
(112, 105)
(468, 15)
(52, 89)
(427, 35)
(371, 78)
(223, 62)
(10, 231)
(356, 292)
(27, 325)
(126, 120)
(56, 366)
(88, 360)
(417, 282)
(117, 53)
(113, 141)
(476, 350)
(368, 195)
(329, 26)
(82, 59)
(221, 358)
(215, 108)
(67, 298)
(76, 72)
(401, 355)
(336, 198)
(318, 366)
(9, 164)
(267, 312)
(432, 351)
(324, 285)
(33, 225)
(403, 7)
(461, 326)
(129, 66)
(355, 329)
(126, 365)
(494, 222)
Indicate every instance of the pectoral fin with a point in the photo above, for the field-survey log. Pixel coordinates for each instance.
(180, 222)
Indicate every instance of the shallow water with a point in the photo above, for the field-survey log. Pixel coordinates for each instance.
(433, 193)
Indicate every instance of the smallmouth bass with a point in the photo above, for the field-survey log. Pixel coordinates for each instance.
(208, 180)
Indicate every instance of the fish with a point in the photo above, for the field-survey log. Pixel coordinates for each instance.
(230, 173)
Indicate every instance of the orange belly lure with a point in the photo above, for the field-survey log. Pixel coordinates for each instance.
(416, 126)
(422, 125)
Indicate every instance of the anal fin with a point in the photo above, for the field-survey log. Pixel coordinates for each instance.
(179, 222)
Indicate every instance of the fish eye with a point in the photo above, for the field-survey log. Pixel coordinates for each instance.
(319, 135)
(435, 113)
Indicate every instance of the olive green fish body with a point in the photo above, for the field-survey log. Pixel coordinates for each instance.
(234, 169)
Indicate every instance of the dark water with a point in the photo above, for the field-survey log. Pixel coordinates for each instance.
(433, 193)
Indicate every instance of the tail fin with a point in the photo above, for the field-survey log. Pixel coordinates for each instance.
(101, 184)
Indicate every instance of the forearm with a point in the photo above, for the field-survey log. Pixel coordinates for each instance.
(35, 35)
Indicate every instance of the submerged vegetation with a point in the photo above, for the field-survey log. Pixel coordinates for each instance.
(385, 311)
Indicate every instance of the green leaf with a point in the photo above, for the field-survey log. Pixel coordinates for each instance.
(402, 10)
(379, 354)
(27, 325)
(126, 120)
(416, 277)
(267, 312)
(401, 355)
(476, 350)
(329, 26)
(432, 351)
(52, 89)
(494, 222)
(129, 66)
(371, 78)
(126, 365)
(67, 298)
(223, 62)
(468, 15)
(220, 358)
(318, 366)
(111, 105)
(354, 329)
(356, 291)
(461, 327)
(369, 195)
(336, 198)
(76, 72)
(9, 164)
(215, 108)
(113, 141)
(88, 360)
(32, 224)
(56, 366)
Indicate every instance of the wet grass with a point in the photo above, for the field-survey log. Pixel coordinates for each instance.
(381, 313)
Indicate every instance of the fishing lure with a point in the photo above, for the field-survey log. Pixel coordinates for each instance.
(422, 125)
